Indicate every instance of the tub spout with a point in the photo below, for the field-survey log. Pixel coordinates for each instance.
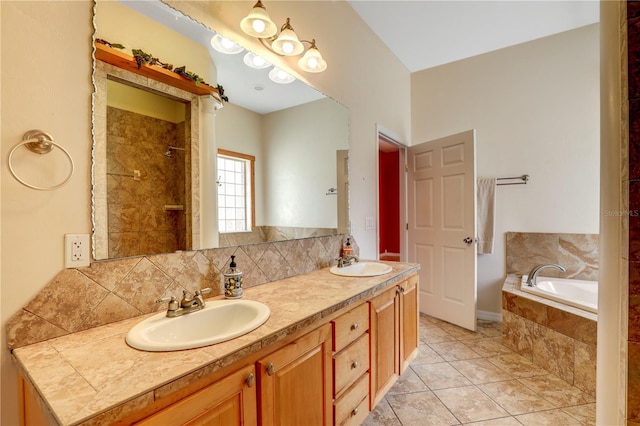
(533, 275)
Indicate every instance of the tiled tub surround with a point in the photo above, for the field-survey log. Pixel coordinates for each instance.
(119, 289)
(578, 253)
(559, 338)
(94, 375)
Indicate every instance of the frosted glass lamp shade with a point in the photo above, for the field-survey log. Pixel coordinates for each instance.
(254, 61)
(287, 43)
(258, 23)
(279, 76)
(224, 45)
(312, 61)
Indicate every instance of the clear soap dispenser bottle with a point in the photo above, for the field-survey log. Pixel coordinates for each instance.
(232, 281)
(347, 249)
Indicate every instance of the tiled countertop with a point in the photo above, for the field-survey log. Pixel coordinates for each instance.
(95, 373)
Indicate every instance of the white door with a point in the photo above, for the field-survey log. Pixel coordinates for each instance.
(442, 226)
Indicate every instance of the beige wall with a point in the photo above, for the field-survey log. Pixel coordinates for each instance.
(46, 82)
(535, 108)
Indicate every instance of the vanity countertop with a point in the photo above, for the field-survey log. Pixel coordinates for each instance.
(94, 372)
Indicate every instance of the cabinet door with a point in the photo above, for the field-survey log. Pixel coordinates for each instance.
(384, 328)
(229, 401)
(295, 382)
(409, 338)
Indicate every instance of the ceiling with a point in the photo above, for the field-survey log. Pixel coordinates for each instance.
(421, 33)
(428, 33)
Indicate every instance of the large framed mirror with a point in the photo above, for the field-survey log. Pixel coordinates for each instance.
(164, 158)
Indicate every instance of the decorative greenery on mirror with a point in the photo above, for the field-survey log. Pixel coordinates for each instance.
(300, 148)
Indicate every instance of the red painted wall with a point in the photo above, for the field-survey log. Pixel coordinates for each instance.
(389, 166)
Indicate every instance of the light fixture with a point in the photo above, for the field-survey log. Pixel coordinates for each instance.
(312, 60)
(258, 24)
(224, 45)
(254, 61)
(279, 76)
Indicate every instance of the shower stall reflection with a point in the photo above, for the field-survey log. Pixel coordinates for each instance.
(147, 172)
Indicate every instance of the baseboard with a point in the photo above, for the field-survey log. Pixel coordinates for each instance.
(489, 316)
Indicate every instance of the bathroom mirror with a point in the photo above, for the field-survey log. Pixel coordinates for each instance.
(297, 135)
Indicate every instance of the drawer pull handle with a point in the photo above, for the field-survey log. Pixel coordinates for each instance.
(354, 411)
(250, 379)
(354, 326)
(270, 369)
(355, 364)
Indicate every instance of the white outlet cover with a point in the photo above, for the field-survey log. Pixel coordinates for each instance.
(76, 250)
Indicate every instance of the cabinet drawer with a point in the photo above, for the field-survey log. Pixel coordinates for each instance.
(350, 364)
(350, 326)
(352, 408)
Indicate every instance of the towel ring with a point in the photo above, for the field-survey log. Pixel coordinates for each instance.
(41, 143)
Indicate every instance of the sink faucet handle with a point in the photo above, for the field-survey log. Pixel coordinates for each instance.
(173, 303)
(203, 291)
(167, 299)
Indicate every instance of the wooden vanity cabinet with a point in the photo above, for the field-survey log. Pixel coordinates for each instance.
(409, 321)
(351, 366)
(294, 382)
(394, 335)
(229, 401)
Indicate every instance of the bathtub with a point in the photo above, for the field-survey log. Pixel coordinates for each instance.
(577, 293)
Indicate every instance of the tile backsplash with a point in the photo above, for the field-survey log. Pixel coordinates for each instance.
(578, 253)
(114, 290)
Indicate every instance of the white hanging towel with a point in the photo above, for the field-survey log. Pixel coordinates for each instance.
(486, 214)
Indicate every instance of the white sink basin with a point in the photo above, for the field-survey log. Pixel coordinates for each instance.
(361, 269)
(220, 320)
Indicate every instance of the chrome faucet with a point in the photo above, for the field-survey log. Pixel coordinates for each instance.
(187, 304)
(533, 275)
(346, 260)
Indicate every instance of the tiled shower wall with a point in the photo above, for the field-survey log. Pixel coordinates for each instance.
(110, 291)
(138, 219)
(633, 183)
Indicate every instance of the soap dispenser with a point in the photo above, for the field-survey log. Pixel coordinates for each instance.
(232, 281)
(347, 249)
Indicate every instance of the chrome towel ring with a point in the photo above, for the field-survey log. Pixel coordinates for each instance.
(41, 143)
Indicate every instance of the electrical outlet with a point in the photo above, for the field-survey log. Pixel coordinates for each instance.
(76, 250)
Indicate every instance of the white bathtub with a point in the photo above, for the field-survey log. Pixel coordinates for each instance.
(577, 293)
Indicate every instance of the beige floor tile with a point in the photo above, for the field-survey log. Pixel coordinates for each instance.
(517, 365)
(515, 397)
(422, 408)
(550, 418)
(503, 421)
(435, 335)
(480, 371)
(461, 333)
(408, 382)
(382, 415)
(488, 346)
(440, 376)
(426, 355)
(454, 351)
(557, 391)
(585, 413)
(469, 404)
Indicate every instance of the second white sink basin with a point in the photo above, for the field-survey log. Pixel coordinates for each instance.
(218, 321)
(361, 269)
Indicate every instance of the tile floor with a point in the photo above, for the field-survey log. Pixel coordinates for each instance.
(464, 377)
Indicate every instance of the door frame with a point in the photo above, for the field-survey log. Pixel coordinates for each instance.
(392, 138)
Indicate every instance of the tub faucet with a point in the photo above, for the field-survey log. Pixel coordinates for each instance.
(533, 275)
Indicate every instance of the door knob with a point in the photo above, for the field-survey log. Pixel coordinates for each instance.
(468, 241)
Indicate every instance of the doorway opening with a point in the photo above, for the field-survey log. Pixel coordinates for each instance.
(391, 199)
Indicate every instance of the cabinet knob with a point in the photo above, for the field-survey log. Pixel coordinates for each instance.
(270, 369)
(250, 379)
(355, 364)
(354, 326)
(354, 411)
